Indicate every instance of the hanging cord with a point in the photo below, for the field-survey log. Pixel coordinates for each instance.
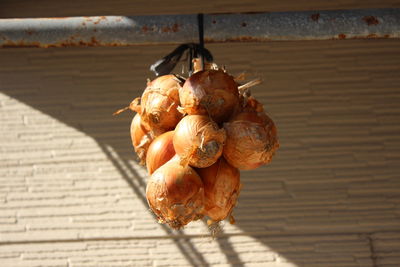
(166, 65)
(200, 24)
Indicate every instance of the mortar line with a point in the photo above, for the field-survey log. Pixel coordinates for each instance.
(185, 236)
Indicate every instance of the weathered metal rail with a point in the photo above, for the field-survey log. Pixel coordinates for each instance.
(173, 29)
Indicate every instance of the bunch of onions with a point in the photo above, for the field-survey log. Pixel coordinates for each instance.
(160, 151)
(251, 138)
(194, 136)
(221, 189)
(175, 193)
(210, 92)
(159, 104)
(198, 141)
(141, 138)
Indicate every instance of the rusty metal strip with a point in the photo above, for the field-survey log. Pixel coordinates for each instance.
(174, 29)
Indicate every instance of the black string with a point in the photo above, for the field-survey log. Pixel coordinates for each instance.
(167, 64)
(200, 24)
(191, 55)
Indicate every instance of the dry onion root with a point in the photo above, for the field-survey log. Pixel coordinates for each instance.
(251, 138)
(159, 104)
(175, 193)
(141, 138)
(221, 189)
(209, 92)
(198, 141)
(160, 151)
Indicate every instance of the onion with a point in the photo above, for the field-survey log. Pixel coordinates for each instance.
(141, 138)
(211, 92)
(221, 189)
(251, 138)
(175, 193)
(160, 151)
(198, 141)
(159, 103)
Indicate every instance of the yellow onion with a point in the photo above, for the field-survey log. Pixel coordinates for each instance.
(210, 92)
(221, 189)
(160, 151)
(175, 193)
(198, 141)
(141, 138)
(251, 138)
(159, 103)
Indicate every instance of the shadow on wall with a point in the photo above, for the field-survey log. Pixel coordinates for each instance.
(316, 193)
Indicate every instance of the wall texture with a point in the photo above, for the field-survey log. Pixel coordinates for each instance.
(71, 192)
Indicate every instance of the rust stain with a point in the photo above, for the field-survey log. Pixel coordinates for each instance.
(371, 20)
(21, 44)
(173, 28)
(118, 19)
(94, 41)
(95, 30)
(315, 17)
(236, 39)
(145, 29)
(30, 32)
(369, 36)
(100, 19)
(372, 35)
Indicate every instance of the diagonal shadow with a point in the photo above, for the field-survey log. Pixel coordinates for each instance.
(55, 93)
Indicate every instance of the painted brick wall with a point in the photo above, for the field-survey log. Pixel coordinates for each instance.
(72, 194)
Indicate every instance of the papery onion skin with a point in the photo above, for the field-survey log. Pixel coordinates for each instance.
(198, 141)
(159, 104)
(221, 189)
(251, 140)
(160, 151)
(141, 138)
(210, 92)
(175, 193)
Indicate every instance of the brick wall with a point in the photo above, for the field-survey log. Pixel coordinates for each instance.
(72, 194)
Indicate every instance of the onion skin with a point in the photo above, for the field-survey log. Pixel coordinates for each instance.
(175, 193)
(251, 140)
(198, 141)
(210, 92)
(221, 189)
(159, 104)
(160, 151)
(141, 138)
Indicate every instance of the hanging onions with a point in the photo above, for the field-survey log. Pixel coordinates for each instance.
(175, 193)
(210, 92)
(221, 189)
(194, 136)
(198, 141)
(252, 138)
(160, 151)
(141, 138)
